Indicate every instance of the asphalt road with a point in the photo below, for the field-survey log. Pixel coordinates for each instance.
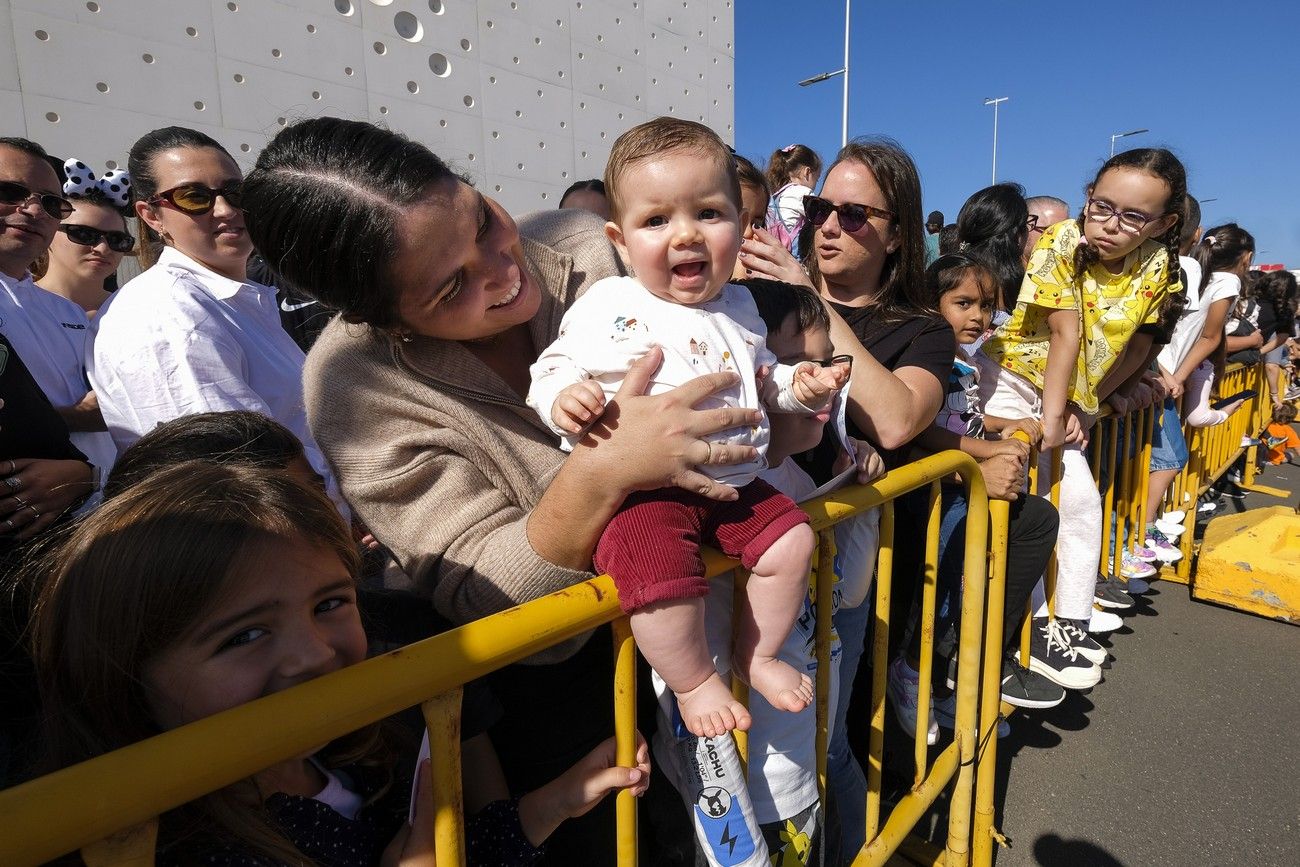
(1186, 754)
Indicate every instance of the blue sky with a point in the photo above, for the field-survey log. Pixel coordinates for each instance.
(1218, 83)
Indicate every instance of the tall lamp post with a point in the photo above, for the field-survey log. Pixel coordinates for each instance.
(844, 71)
(995, 102)
(1120, 135)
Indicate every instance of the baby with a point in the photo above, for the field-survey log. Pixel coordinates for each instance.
(676, 221)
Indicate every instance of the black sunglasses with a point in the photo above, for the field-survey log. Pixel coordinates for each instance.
(834, 360)
(853, 216)
(196, 199)
(17, 195)
(118, 242)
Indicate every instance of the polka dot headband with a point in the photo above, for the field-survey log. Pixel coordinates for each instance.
(115, 184)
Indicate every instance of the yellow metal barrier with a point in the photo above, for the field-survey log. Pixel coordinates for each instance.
(107, 807)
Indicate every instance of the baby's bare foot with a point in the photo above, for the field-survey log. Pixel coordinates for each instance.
(784, 687)
(710, 710)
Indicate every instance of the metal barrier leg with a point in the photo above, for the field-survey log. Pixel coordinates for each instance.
(824, 597)
(442, 716)
(880, 668)
(625, 737)
(983, 832)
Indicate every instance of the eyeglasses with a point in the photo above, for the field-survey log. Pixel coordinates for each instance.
(831, 362)
(196, 199)
(1129, 221)
(1032, 224)
(118, 242)
(56, 207)
(852, 215)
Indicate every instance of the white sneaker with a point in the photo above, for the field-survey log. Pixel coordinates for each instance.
(1104, 621)
(904, 687)
(1174, 517)
(1171, 529)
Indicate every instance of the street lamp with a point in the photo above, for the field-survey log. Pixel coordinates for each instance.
(844, 71)
(1119, 135)
(994, 102)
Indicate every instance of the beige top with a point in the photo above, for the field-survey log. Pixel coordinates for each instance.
(438, 456)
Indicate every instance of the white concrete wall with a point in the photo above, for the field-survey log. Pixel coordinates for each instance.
(525, 96)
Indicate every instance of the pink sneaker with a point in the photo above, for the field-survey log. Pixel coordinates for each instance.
(1146, 555)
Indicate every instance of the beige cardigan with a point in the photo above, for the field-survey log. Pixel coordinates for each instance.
(437, 455)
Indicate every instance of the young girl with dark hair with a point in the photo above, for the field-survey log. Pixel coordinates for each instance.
(156, 612)
(993, 224)
(193, 333)
(1072, 340)
(792, 173)
(92, 239)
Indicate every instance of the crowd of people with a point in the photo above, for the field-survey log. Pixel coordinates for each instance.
(349, 402)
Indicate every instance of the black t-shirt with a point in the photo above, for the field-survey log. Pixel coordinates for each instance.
(918, 340)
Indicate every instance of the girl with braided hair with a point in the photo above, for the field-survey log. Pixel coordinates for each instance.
(1073, 338)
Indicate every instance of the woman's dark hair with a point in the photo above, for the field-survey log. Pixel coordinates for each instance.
(901, 276)
(994, 224)
(777, 301)
(750, 176)
(1221, 248)
(1161, 163)
(238, 437)
(785, 161)
(144, 183)
(947, 272)
(322, 207)
(948, 240)
(595, 185)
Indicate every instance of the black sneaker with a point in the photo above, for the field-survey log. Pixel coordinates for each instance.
(1025, 688)
(1081, 641)
(1109, 595)
(1052, 656)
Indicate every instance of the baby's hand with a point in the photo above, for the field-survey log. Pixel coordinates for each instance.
(578, 406)
(814, 386)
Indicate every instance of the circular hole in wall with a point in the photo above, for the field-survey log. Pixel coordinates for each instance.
(42, 36)
(198, 105)
(471, 158)
(281, 121)
(380, 48)
(490, 24)
(496, 188)
(537, 40)
(315, 94)
(380, 2)
(52, 116)
(102, 87)
(408, 27)
(245, 147)
(492, 79)
(465, 45)
(275, 52)
(343, 7)
(513, 5)
(110, 164)
(191, 31)
(412, 87)
(542, 145)
(543, 195)
(515, 59)
(519, 166)
(443, 122)
(564, 174)
(439, 65)
(94, 7)
(239, 77)
(435, 6)
(233, 7)
(147, 58)
(383, 109)
(496, 134)
(469, 101)
(311, 28)
(347, 70)
(518, 113)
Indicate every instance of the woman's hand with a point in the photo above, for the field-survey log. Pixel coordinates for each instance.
(35, 492)
(764, 256)
(1004, 476)
(643, 443)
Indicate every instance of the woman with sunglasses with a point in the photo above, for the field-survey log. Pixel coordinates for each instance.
(91, 241)
(193, 333)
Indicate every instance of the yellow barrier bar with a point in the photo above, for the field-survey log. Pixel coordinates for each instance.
(925, 670)
(983, 831)
(1110, 504)
(739, 689)
(824, 603)
(1049, 580)
(880, 663)
(442, 717)
(625, 738)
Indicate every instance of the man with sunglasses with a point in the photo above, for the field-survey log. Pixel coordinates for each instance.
(49, 334)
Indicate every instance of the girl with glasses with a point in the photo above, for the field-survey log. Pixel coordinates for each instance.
(92, 240)
(193, 333)
(1074, 337)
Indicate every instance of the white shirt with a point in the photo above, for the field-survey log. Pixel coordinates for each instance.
(51, 334)
(1190, 325)
(181, 339)
(618, 320)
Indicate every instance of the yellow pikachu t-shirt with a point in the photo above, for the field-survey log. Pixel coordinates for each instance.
(1111, 307)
